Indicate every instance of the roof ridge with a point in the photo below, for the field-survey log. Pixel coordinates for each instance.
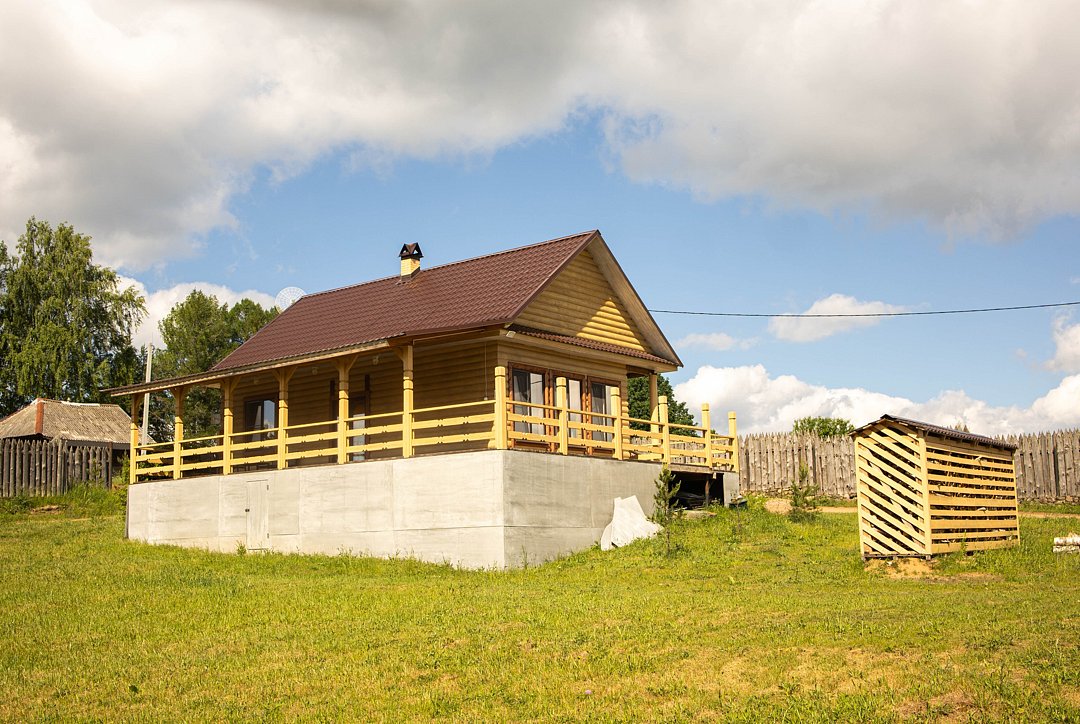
(493, 254)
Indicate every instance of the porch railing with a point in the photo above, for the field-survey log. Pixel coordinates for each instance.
(486, 424)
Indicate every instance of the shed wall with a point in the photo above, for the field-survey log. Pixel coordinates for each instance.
(922, 494)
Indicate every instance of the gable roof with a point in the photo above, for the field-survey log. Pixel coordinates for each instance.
(475, 293)
(947, 432)
(54, 419)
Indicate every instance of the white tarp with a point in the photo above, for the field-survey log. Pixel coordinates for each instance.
(627, 525)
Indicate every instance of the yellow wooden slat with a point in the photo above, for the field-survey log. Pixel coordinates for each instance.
(942, 524)
(975, 535)
(894, 456)
(905, 541)
(975, 488)
(915, 518)
(954, 501)
(485, 419)
(867, 473)
(453, 439)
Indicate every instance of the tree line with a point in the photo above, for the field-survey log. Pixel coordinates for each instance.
(66, 327)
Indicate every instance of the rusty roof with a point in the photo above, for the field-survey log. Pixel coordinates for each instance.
(54, 419)
(471, 294)
(946, 432)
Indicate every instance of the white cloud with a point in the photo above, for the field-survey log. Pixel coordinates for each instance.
(716, 341)
(161, 302)
(809, 330)
(1066, 347)
(764, 403)
(139, 120)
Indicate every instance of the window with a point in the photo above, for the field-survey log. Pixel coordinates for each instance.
(602, 402)
(575, 399)
(528, 386)
(260, 415)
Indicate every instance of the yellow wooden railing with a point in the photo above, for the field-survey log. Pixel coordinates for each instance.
(498, 424)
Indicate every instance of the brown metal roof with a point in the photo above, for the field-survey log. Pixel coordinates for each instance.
(587, 343)
(54, 419)
(946, 432)
(474, 293)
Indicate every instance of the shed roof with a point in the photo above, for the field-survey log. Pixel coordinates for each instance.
(946, 432)
(475, 293)
(54, 419)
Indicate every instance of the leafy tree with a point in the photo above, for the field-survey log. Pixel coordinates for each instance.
(824, 427)
(65, 322)
(637, 395)
(198, 332)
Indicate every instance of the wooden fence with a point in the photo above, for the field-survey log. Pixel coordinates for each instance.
(1047, 464)
(51, 467)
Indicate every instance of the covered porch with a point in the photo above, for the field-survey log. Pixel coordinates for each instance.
(361, 405)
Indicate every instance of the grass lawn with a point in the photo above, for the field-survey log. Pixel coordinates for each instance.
(755, 618)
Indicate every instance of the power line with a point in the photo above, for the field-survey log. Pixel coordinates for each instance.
(868, 314)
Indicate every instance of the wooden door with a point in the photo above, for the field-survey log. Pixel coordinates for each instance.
(258, 515)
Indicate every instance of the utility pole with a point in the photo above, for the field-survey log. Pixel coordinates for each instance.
(146, 397)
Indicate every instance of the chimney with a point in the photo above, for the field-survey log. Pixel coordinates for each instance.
(410, 259)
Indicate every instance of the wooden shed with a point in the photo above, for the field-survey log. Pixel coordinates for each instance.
(925, 490)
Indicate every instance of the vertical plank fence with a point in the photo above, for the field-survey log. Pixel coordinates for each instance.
(1047, 464)
(35, 468)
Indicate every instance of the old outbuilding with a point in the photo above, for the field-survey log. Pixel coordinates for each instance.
(925, 489)
(49, 445)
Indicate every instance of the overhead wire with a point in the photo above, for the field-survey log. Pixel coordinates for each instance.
(865, 314)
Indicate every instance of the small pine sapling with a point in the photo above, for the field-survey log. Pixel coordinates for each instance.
(665, 511)
(804, 497)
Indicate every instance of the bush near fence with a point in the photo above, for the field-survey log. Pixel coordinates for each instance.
(51, 467)
(1047, 464)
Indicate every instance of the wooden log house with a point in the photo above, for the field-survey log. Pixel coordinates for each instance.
(474, 413)
(527, 349)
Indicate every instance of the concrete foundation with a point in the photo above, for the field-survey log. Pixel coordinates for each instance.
(488, 509)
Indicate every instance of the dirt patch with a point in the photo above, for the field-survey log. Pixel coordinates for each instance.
(780, 506)
(1037, 514)
(953, 706)
(902, 567)
(46, 509)
(920, 568)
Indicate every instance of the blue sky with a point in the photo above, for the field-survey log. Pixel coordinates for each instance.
(858, 157)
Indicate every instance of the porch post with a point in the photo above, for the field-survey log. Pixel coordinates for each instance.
(228, 387)
(706, 422)
(661, 407)
(654, 413)
(407, 401)
(564, 415)
(616, 402)
(179, 393)
(134, 438)
(501, 423)
(283, 377)
(734, 434)
(343, 367)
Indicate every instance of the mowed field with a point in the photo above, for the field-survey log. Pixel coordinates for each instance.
(753, 618)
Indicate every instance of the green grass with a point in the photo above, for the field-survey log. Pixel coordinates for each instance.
(754, 618)
(1072, 508)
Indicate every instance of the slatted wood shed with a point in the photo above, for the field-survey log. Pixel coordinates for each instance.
(925, 490)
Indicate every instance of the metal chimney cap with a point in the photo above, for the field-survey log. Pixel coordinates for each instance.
(411, 251)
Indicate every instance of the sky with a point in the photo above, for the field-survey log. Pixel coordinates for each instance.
(762, 158)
